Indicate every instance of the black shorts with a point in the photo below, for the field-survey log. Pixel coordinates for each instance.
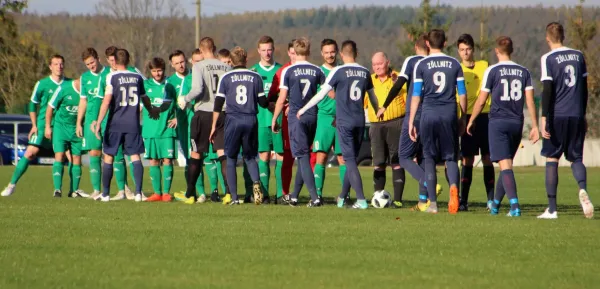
(219, 137)
(385, 138)
(567, 135)
(471, 146)
(200, 131)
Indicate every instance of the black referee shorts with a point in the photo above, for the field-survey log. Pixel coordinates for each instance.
(385, 138)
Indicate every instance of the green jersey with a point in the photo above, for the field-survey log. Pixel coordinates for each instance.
(42, 92)
(92, 88)
(159, 93)
(327, 105)
(65, 101)
(265, 117)
(182, 85)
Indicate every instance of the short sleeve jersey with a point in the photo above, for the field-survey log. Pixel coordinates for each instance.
(181, 84)
(439, 75)
(126, 88)
(159, 94)
(212, 70)
(407, 73)
(42, 92)
(301, 79)
(65, 101)
(90, 90)
(473, 81)
(265, 116)
(327, 105)
(351, 82)
(241, 89)
(506, 82)
(567, 70)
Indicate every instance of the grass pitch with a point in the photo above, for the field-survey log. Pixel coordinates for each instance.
(77, 243)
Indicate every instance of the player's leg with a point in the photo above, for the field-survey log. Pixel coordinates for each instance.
(232, 141)
(448, 144)
(574, 154)
(553, 149)
(484, 148)
(468, 150)
(324, 140)
(59, 147)
(249, 142)
(111, 145)
(120, 175)
(199, 136)
(353, 137)
(504, 138)
(398, 174)
(303, 140)
(210, 166)
(36, 141)
(167, 175)
(278, 148)
(338, 152)
(377, 133)
(265, 146)
(133, 146)
(76, 150)
(288, 159)
(407, 150)
(428, 136)
(151, 154)
(219, 147)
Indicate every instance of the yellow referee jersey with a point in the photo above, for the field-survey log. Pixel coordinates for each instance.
(397, 108)
(473, 78)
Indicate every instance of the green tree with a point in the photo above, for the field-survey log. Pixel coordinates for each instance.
(427, 19)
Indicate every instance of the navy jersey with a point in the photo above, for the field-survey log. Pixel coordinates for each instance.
(127, 89)
(566, 68)
(407, 72)
(301, 79)
(506, 82)
(351, 82)
(436, 79)
(241, 89)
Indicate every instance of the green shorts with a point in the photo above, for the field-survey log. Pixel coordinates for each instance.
(269, 141)
(184, 119)
(326, 135)
(39, 140)
(160, 148)
(211, 155)
(63, 140)
(90, 142)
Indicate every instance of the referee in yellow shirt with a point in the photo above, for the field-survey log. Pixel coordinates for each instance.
(385, 132)
(472, 145)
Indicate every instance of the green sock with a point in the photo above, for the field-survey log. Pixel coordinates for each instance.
(70, 170)
(265, 174)
(95, 175)
(213, 177)
(57, 174)
(19, 170)
(342, 174)
(120, 177)
(130, 170)
(168, 178)
(156, 179)
(278, 179)
(247, 181)
(75, 177)
(220, 177)
(200, 182)
(319, 178)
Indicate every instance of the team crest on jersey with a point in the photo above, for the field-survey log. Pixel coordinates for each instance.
(51, 91)
(69, 97)
(89, 82)
(149, 90)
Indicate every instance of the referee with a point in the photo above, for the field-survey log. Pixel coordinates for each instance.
(385, 132)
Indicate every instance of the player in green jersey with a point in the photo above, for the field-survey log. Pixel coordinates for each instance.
(160, 134)
(268, 140)
(326, 135)
(42, 91)
(65, 101)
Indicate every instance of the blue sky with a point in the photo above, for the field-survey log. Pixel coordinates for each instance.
(210, 7)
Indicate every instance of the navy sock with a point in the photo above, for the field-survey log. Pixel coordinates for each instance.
(298, 181)
(431, 179)
(399, 177)
(499, 192)
(138, 174)
(345, 187)
(580, 174)
(446, 174)
(488, 179)
(379, 179)
(308, 176)
(551, 184)
(232, 178)
(252, 167)
(412, 168)
(452, 173)
(510, 187)
(465, 183)
(107, 174)
(353, 174)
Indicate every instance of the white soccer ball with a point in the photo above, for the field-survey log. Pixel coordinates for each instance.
(381, 199)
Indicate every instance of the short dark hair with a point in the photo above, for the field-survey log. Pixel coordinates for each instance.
(556, 32)
(110, 51)
(349, 48)
(504, 45)
(176, 53)
(466, 39)
(223, 53)
(328, 41)
(422, 42)
(266, 40)
(437, 38)
(291, 44)
(155, 63)
(122, 57)
(196, 51)
(89, 52)
(55, 56)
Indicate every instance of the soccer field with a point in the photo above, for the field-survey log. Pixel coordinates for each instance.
(78, 243)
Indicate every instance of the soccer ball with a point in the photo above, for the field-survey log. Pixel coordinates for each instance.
(381, 199)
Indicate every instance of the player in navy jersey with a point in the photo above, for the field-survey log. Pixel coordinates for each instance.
(240, 90)
(300, 81)
(123, 126)
(563, 123)
(351, 81)
(436, 79)
(506, 82)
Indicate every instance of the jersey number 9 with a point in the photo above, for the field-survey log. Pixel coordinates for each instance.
(129, 96)
(439, 79)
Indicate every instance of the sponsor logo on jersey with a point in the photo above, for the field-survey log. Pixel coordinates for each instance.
(72, 109)
(157, 101)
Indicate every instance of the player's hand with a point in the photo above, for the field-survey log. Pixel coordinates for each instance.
(545, 133)
(172, 123)
(470, 126)
(286, 109)
(380, 113)
(154, 113)
(181, 103)
(412, 131)
(271, 106)
(48, 132)
(79, 130)
(534, 135)
(299, 114)
(275, 126)
(212, 135)
(33, 131)
(95, 128)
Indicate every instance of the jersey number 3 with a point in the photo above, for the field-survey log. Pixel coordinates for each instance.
(129, 96)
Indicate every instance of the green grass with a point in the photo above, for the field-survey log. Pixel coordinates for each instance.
(76, 243)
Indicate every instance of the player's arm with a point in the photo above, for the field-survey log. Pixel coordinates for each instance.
(81, 110)
(484, 92)
(52, 104)
(325, 89)
(415, 101)
(274, 90)
(283, 94)
(396, 88)
(372, 96)
(461, 88)
(197, 84)
(36, 97)
(262, 100)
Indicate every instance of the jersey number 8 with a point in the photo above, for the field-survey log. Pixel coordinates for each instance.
(241, 95)
(129, 97)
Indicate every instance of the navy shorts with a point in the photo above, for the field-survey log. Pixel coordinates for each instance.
(132, 143)
(407, 149)
(567, 135)
(472, 145)
(302, 134)
(351, 138)
(505, 137)
(439, 136)
(241, 130)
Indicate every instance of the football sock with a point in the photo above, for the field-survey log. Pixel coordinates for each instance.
(120, 172)
(232, 178)
(488, 179)
(107, 174)
(213, 175)
(57, 174)
(200, 182)
(278, 178)
(220, 176)
(423, 194)
(499, 192)
(510, 187)
(168, 178)
(195, 165)
(319, 178)
(95, 176)
(399, 177)
(345, 188)
(253, 169)
(354, 177)
(286, 171)
(19, 170)
(138, 176)
(579, 172)
(131, 171)
(224, 170)
(308, 176)
(75, 177)
(446, 174)
(452, 173)
(342, 173)
(186, 171)
(247, 180)
(465, 183)
(156, 179)
(412, 168)
(430, 178)
(70, 170)
(265, 175)
(379, 179)
(298, 182)
(551, 184)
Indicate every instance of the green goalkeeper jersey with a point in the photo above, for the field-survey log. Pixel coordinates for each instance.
(92, 85)
(65, 102)
(42, 92)
(159, 93)
(265, 116)
(327, 105)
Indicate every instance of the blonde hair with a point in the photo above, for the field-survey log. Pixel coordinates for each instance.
(302, 46)
(238, 56)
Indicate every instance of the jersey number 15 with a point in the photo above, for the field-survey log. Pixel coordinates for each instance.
(129, 96)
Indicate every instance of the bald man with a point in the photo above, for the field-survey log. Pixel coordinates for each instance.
(385, 131)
